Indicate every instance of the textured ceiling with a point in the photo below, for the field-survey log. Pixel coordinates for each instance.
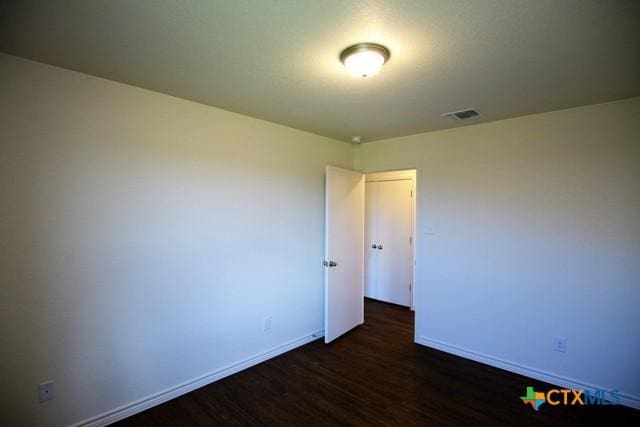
(278, 60)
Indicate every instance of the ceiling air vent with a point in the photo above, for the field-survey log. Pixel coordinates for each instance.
(462, 114)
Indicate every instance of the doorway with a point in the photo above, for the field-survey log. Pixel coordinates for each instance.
(369, 244)
(389, 273)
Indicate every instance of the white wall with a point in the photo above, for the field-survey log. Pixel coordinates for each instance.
(144, 238)
(536, 233)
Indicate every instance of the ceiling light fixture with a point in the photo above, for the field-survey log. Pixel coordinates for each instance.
(364, 59)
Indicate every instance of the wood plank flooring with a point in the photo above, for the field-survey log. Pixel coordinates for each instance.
(374, 376)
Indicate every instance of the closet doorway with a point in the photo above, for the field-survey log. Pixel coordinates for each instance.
(390, 236)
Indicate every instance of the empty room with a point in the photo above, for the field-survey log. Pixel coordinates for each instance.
(336, 212)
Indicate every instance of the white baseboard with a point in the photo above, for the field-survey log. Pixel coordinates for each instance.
(625, 399)
(129, 409)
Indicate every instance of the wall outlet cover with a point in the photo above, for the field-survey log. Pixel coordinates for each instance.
(266, 324)
(560, 344)
(45, 391)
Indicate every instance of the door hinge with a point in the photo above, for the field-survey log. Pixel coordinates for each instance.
(410, 240)
(410, 193)
(409, 286)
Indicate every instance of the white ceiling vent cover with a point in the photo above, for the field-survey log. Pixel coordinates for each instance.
(462, 114)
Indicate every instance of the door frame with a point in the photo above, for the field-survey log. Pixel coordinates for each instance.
(397, 175)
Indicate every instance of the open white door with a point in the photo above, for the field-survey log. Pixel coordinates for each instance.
(344, 252)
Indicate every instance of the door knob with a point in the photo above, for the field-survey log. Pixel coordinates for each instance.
(332, 263)
(379, 246)
(373, 246)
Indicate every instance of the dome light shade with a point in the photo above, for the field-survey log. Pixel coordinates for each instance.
(364, 59)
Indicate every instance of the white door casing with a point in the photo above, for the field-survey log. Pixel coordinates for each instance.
(389, 230)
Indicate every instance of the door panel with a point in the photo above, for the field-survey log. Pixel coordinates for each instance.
(370, 239)
(344, 246)
(394, 270)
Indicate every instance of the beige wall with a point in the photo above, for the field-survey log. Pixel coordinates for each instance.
(144, 239)
(528, 229)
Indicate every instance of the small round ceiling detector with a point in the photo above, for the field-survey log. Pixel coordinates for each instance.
(364, 59)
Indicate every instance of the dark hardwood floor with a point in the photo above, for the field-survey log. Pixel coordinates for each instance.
(375, 375)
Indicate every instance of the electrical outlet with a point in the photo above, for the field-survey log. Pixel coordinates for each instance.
(266, 324)
(45, 391)
(560, 344)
